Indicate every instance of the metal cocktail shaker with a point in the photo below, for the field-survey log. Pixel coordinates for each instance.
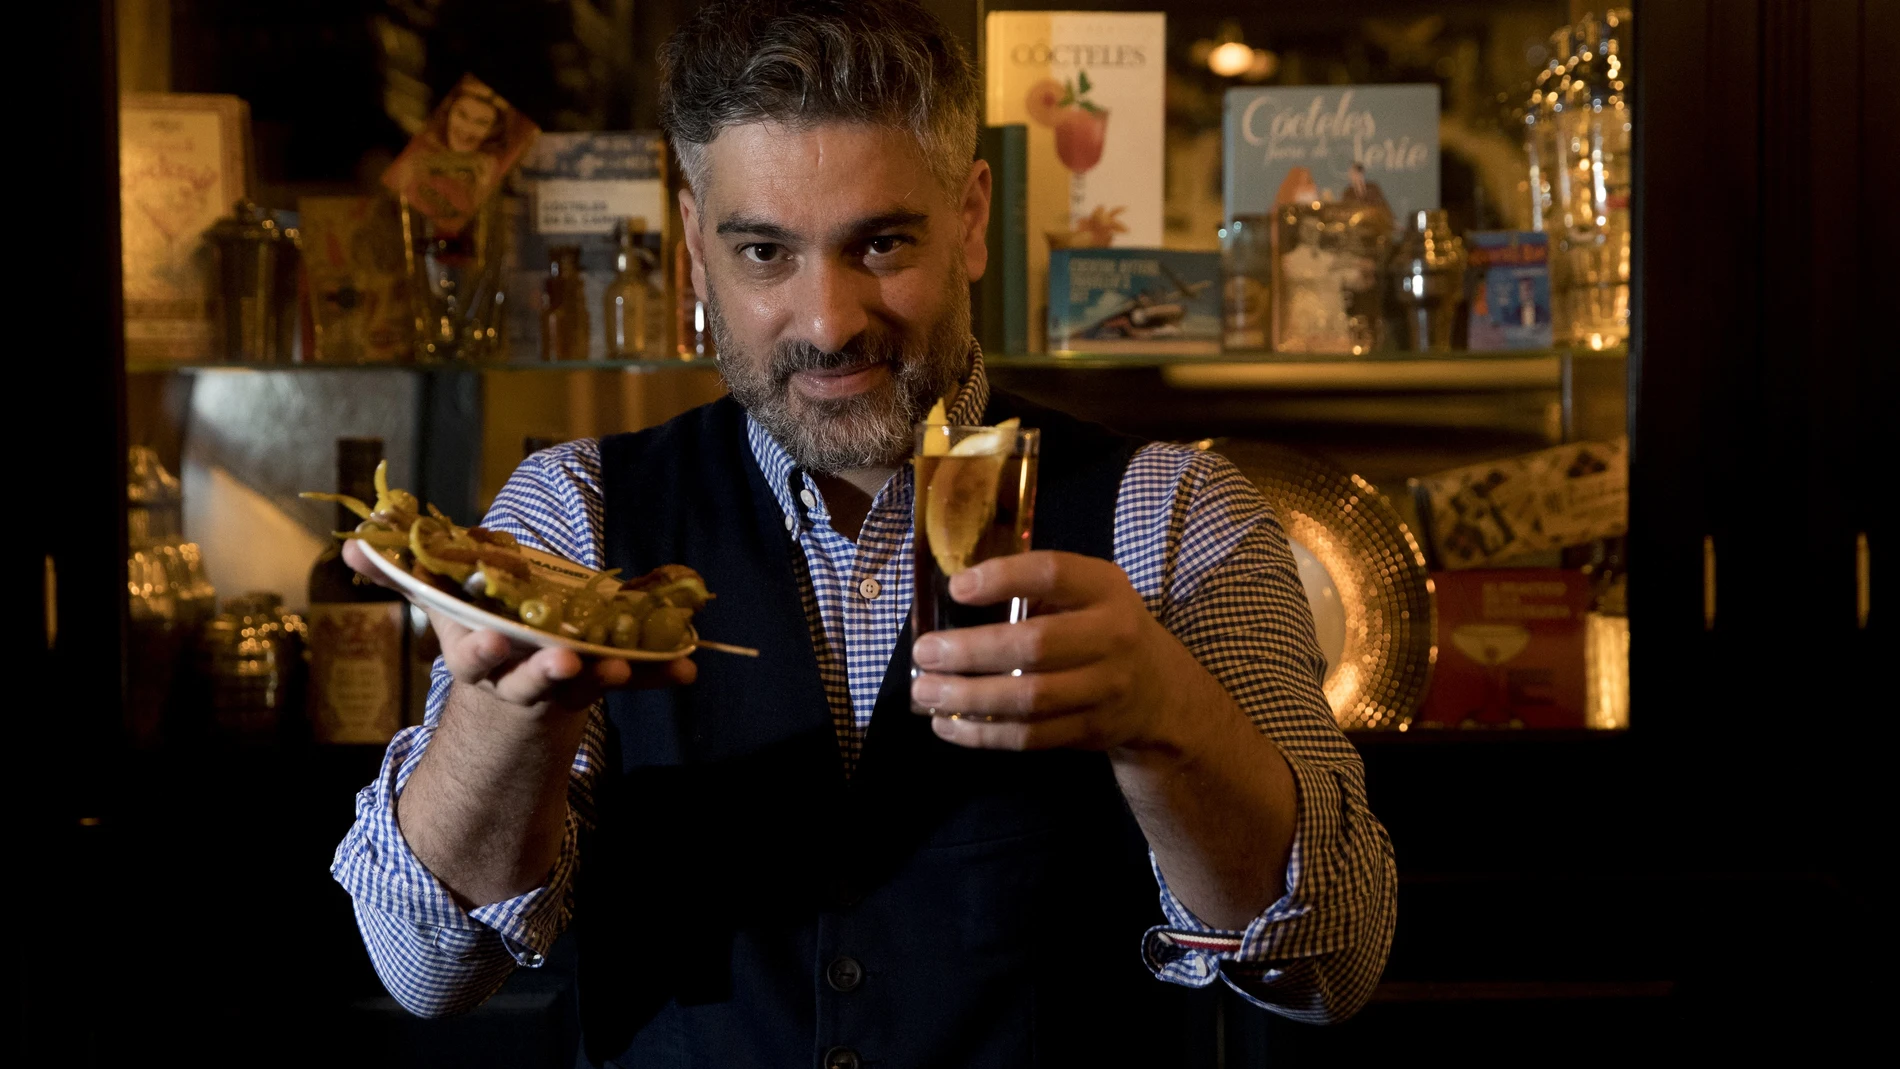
(1428, 277)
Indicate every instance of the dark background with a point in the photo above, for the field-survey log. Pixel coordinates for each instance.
(1702, 886)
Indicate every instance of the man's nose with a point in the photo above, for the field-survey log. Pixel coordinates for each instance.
(834, 305)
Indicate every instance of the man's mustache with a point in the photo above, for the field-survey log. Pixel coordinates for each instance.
(789, 358)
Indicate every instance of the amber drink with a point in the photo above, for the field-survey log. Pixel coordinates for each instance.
(976, 499)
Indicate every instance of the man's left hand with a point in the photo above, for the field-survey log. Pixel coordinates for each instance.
(1092, 669)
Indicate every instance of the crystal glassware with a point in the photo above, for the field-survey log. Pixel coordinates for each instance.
(455, 285)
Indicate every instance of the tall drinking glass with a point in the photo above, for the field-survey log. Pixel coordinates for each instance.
(976, 499)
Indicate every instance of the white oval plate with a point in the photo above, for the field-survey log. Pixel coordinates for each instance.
(546, 566)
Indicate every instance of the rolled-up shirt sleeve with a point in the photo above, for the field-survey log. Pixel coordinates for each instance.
(434, 956)
(1215, 568)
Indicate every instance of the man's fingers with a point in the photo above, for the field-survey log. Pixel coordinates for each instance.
(473, 656)
(1054, 580)
(1030, 696)
(1040, 643)
(1062, 731)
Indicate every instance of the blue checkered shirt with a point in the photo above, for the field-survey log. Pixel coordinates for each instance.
(1212, 564)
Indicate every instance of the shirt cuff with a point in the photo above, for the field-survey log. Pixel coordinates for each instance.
(375, 865)
(1190, 952)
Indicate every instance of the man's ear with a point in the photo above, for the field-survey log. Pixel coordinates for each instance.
(695, 246)
(975, 211)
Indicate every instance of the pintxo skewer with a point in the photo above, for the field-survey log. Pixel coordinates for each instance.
(490, 570)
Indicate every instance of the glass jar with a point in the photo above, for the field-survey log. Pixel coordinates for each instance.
(168, 597)
(253, 659)
(1325, 285)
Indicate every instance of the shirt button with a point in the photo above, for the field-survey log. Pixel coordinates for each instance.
(845, 974)
(841, 1058)
(791, 521)
(810, 499)
(870, 588)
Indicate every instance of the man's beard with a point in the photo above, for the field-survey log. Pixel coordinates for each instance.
(872, 429)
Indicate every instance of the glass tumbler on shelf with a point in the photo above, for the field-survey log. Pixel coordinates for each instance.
(1246, 280)
(455, 285)
(975, 500)
(1325, 286)
(1428, 279)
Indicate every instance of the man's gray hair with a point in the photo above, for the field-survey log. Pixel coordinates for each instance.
(805, 62)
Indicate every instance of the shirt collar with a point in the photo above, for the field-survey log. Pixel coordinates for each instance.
(964, 408)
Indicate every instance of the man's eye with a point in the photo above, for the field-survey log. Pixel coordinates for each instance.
(762, 252)
(886, 244)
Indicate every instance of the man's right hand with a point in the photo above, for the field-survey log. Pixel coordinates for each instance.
(535, 680)
(486, 807)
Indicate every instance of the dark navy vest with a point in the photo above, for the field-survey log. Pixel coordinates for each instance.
(743, 904)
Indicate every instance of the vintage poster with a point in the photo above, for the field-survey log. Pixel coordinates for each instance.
(460, 157)
(182, 166)
(358, 287)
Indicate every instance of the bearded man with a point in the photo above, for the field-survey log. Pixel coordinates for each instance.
(1104, 810)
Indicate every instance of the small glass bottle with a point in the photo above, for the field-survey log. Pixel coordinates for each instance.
(631, 303)
(564, 326)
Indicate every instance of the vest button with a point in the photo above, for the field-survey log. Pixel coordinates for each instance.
(842, 1058)
(845, 974)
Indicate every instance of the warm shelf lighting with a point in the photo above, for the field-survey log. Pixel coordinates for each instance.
(1230, 60)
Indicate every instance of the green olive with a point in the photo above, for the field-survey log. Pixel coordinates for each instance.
(664, 629)
(626, 631)
(542, 613)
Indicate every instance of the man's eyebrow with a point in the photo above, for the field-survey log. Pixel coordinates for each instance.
(755, 227)
(745, 224)
(892, 220)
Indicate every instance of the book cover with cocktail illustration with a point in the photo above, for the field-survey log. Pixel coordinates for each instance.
(1391, 131)
(1510, 649)
(1134, 300)
(183, 164)
(1089, 87)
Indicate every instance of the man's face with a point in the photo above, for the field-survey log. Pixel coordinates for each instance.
(835, 272)
(470, 123)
